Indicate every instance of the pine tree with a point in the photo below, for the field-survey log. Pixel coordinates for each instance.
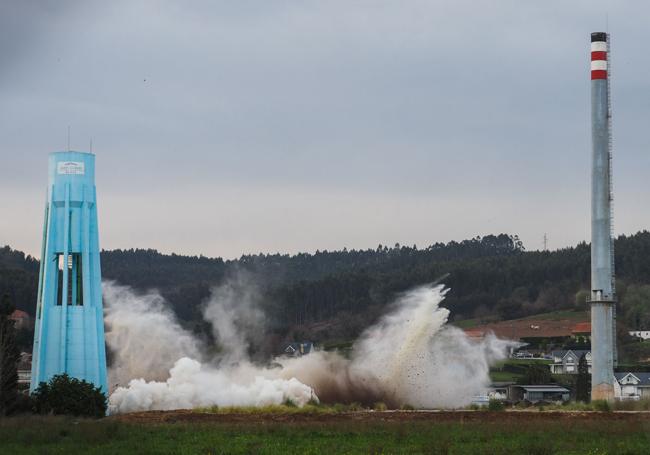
(9, 357)
(582, 381)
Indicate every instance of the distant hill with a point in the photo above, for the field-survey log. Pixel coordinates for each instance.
(332, 295)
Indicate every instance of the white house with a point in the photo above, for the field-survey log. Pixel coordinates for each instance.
(643, 334)
(298, 349)
(632, 386)
(566, 362)
(24, 369)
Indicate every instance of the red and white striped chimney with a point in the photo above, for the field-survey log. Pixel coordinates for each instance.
(603, 292)
(598, 56)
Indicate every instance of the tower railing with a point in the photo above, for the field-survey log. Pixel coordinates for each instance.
(610, 147)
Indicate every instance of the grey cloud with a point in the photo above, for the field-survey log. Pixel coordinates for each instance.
(460, 101)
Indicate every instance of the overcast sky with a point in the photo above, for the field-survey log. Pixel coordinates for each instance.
(232, 127)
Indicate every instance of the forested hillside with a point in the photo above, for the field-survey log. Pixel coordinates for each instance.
(333, 295)
(18, 278)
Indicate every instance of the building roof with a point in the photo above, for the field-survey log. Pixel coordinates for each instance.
(644, 378)
(582, 327)
(578, 352)
(544, 388)
(19, 314)
(474, 333)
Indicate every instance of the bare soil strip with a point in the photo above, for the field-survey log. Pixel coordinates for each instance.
(189, 416)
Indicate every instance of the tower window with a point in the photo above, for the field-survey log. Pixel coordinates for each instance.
(74, 295)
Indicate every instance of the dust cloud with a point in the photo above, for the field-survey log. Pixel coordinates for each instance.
(411, 356)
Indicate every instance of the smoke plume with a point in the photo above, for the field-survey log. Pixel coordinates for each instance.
(143, 336)
(409, 357)
(235, 317)
(192, 385)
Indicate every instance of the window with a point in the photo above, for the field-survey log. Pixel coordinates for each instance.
(74, 295)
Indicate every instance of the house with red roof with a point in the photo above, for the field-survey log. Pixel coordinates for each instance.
(475, 334)
(21, 319)
(582, 331)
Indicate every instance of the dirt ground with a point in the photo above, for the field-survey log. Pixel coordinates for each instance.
(527, 328)
(188, 416)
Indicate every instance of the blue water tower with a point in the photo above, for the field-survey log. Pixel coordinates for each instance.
(69, 330)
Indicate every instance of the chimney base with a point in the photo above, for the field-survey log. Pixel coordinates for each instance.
(602, 392)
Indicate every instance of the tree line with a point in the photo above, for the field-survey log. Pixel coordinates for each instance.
(333, 295)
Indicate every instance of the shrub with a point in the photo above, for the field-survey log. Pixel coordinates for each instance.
(641, 405)
(66, 395)
(355, 407)
(340, 407)
(314, 402)
(523, 404)
(289, 403)
(380, 406)
(24, 404)
(601, 405)
(496, 405)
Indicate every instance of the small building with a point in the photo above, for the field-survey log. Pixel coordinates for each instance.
(522, 354)
(538, 393)
(480, 400)
(499, 390)
(632, 386)
(581, 332)
(643, 334)
(24, 370)
(475, 334)
(566, 362)
(298, 349)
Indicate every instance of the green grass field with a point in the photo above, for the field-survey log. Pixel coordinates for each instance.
(559, 315)
(504, 376)
(467, 323)
(494, 434)
(512, 369)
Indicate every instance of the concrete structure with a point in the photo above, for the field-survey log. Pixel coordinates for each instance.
(632, 386)
(566, 362)
(69, 326)
(603, 293)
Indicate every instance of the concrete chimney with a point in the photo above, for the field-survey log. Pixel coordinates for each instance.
(603, 293)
